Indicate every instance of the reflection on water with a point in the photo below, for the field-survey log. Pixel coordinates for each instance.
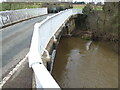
(85, 64)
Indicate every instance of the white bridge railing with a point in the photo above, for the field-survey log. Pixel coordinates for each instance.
(42, 34)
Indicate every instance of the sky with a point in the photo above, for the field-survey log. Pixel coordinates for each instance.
(1, 1)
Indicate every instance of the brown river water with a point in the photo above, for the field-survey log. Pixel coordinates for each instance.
(85, 64)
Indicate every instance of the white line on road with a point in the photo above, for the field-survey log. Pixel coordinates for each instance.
(7, 77)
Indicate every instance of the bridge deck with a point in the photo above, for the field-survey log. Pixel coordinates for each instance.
(22, 78)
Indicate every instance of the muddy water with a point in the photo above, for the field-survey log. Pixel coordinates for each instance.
(85, 64)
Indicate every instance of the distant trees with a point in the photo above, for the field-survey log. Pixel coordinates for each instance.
(79, 2)
(99, 3)
(104, 23)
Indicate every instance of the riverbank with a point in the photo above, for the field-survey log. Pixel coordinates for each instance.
(88, 35)
(98, 25)
(95, 36)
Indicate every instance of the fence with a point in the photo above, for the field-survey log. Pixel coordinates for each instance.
(12, 16)
(42, 34)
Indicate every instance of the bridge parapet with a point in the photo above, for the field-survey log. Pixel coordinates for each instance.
(42, 34)
(13, 16)
(77, 11)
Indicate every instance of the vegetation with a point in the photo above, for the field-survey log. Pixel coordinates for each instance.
(86, 38)
(15, 5)
(103, 24)
(52, 7)
(0, 6)
(88, 6)
(78, 6)
(79, 2)
(98, 8)
(87, 9)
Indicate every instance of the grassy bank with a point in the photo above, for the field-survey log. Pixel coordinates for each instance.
(0, 6)
(81, 6)
(14, 5)
(23, 5)
(78, 6)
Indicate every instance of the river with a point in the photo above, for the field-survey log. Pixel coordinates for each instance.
(85, 64)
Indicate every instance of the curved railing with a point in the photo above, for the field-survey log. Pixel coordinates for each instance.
(42, 34)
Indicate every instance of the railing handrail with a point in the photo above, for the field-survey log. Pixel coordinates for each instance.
(37, 26)
(48, 18)
(38, 45)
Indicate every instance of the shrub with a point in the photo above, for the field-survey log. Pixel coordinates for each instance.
(87, 9)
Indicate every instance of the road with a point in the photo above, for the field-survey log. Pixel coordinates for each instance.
(15, 42)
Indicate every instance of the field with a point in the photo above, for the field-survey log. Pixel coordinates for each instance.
(98, 8)
(14, 6)
(78, 6)
(20, 5)
(0, 6)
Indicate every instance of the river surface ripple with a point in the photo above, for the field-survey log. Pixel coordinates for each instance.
(85, 64)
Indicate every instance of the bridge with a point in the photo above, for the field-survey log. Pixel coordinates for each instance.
(40, 58)
(43, 33)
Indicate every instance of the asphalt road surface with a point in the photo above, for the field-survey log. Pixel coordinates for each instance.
(15, 42)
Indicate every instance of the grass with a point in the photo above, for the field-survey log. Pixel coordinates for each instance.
(98, 8)
(0, 6)
(85, 38)
(20, 5)
(78, 6)
(15, 6)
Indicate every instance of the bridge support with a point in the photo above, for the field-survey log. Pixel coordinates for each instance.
(55, 40)
(51, 48)
(69, 27)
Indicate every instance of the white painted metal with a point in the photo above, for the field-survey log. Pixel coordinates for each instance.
(42, 34)
(77, 11)
(43, 77)
(54, 38)
(48, 56)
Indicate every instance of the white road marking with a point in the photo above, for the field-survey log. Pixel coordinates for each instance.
(7, 77)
